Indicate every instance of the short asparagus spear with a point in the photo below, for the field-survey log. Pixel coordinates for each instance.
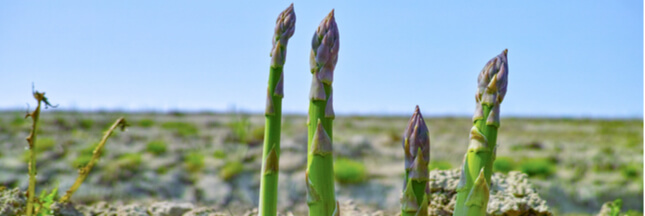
(31, 139)
(319, 176)
(416, 147)
(284, 29)
(83, 172)
(473, 191)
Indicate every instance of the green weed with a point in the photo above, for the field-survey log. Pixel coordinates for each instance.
(631, 171)
(538, 167)
(257, 135)
(183, 129)
(240, 128)
(348, 171)
(129, 161)
(615, 207)
(633, 213)
(194, 162)
(219, 154)
(156, 147)
(439, 165)
(146, 123)
(18, 121)
(162, 170)
(86, 123)
(45, 200)
(230, 170)
(503, 164)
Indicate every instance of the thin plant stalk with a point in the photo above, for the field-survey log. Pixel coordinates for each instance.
(31, 139)
(473, 188)
(83, 172)
(285, 27)
(416, 147)
(319, 175)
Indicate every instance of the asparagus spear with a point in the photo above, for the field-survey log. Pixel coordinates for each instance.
(320, 169)
(472, 191)
(284, 29)
(31, 139)
(416, 146)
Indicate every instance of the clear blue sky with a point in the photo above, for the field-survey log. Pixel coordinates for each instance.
(566, 58)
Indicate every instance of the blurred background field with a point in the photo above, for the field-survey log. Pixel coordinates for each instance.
(214, 158)
(570, 59)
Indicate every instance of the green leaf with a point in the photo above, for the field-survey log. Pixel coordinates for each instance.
(615, 207)
(45, 200)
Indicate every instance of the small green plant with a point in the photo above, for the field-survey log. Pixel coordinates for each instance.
(161, 170)
(473, 191)
(45, 200)
(230, 170)
(182, 129)
(633, 213)
(240, 127)
(18, 121)
(348, 171)
(219, 154)
(631, 171)
(321, 197)
(156, 147)
(615, 207)
(194, 161)
(503, 164)
(86, 123)
(439, 165)
(416, 149)
(538, 167)
(285, 27)
(257, 135)
(129, 161)
(146, 123)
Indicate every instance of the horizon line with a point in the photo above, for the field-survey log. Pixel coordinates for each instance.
(299, 113)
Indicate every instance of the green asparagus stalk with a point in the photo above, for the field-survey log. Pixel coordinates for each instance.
(319, 176)
(416, 146)
(284, 29)
(83, 172)
(31, 139)
(473, 191)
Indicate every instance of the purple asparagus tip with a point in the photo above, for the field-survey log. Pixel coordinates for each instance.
(285, 26)
(416, 139)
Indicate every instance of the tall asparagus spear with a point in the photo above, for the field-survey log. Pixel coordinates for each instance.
(473, 191)
(284, 29)
(320, 169)
(416, 146)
